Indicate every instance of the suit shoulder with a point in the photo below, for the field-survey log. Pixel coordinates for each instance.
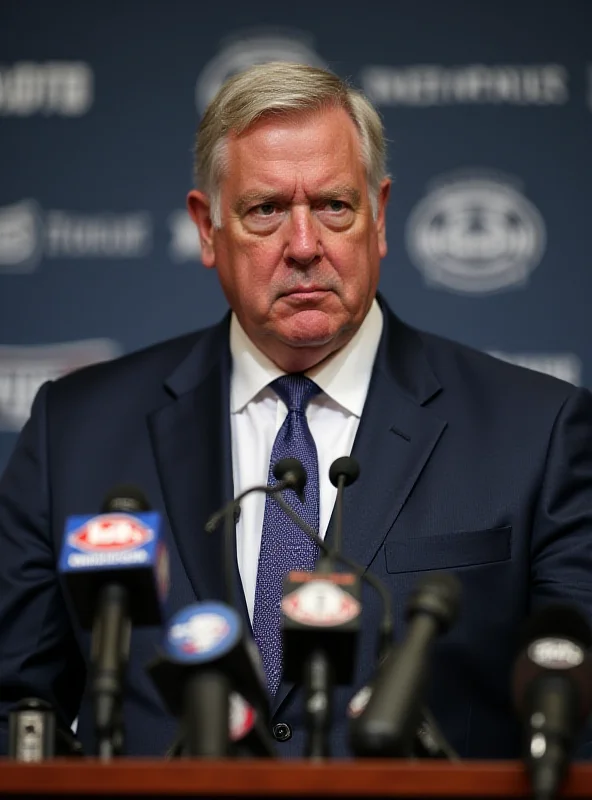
(142, 369)
(448, 358)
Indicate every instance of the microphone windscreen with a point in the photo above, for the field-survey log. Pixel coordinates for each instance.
(126, 499)
(291, 470)
(555, 642)
(345, 466)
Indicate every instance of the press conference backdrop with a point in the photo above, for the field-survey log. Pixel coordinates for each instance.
(488, 111)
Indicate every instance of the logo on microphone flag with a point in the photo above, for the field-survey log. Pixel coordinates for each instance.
(111, 533)
(201, 632)
(112, 541)
(320, 602)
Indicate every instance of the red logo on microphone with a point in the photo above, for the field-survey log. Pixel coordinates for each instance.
(111, 533)
(320, 602)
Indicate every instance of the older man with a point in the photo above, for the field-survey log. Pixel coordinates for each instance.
(467, 464)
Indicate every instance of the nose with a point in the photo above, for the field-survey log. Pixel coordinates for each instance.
(304, 247)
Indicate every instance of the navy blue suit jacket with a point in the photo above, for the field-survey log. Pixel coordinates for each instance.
(468, 464)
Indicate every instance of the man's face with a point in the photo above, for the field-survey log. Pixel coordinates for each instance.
(298, 252)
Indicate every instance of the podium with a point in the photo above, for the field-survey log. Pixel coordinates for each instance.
(137, 778)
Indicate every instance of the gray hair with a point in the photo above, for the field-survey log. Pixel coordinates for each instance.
(281, 88)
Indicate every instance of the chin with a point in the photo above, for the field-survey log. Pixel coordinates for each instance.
(310, 329)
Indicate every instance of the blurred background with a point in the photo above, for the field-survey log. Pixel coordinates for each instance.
(488, 111)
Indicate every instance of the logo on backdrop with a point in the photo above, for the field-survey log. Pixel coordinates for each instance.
(427, 85)
(49, 88)
(21, 233)
(250, 47)
(27, 234)
(475, 233)
(184, 241)
(566, 366)
(24, 369)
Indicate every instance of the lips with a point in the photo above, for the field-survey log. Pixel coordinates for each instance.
(305, 290)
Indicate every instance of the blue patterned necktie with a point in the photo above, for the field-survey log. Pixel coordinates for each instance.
(284, 547)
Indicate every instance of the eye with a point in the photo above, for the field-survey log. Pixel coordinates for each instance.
(336, 206)
(264, 209)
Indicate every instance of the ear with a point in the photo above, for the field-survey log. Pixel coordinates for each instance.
(383, 196)
(198, 205)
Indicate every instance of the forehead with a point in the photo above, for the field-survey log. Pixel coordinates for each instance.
(318, 146)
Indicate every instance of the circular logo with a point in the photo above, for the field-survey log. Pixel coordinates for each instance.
(555, 653)
(320, 602)
(201, 632)
(253, 48)
(475, 234)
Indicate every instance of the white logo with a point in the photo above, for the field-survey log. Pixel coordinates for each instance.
(427, 85)
(200, 634)
(20, 236)
(26, 235)
(565, 366)
(63, 88)
(359, 702)
(106, 235)
(475, 233)
(320, 602)
(249, 48)
(184, 243)
(24, 369)
(556, 653)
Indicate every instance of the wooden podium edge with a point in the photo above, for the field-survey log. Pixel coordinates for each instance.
(276, 778)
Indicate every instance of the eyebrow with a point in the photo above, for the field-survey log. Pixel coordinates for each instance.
(257, 197)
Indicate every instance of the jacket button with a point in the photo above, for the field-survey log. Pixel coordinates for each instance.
(282, 732)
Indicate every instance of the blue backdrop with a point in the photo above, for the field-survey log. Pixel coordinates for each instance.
(488, 110)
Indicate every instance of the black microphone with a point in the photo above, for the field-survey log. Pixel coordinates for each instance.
(248, 732)
(321, 613)
(552, 689)
(115, 567)
(388, 725)
(206, 657)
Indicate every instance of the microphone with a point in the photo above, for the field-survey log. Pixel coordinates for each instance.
(321, 613)
(429, 740)
(391, 718)
(342, 472)
(33, 734)
(248, 733)
(206, 656)
(115, 567)
(552, 689)
(31, 731)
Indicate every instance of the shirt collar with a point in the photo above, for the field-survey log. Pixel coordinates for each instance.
(344, 377)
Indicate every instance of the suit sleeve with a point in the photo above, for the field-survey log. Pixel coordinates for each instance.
(561, 547)
(39, 656)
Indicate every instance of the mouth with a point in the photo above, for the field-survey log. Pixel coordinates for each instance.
(305, 293)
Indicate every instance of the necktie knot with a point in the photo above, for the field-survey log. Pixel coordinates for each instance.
(296, 390)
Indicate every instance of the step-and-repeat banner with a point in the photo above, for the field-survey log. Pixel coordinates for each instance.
(488, 111)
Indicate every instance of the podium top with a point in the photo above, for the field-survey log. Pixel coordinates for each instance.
(203, 778)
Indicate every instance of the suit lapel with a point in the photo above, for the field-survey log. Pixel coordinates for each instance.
(191, 441)
(396, 436)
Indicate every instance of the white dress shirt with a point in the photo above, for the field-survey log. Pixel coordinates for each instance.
(257, 414)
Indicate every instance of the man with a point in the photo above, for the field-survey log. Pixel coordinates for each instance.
(467, 464)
